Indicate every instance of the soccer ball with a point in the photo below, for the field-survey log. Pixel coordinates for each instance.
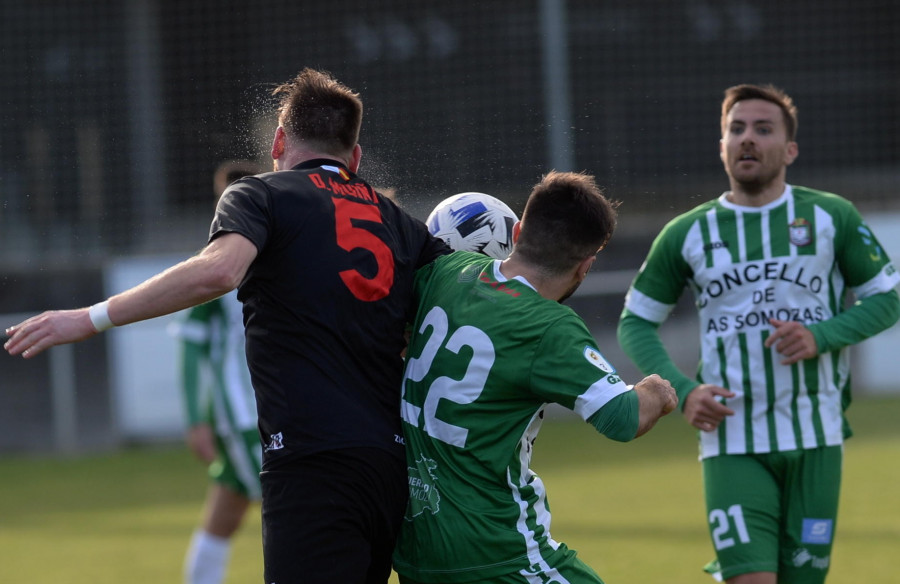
(474, 222)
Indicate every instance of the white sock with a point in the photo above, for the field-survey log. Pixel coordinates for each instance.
(207, 558)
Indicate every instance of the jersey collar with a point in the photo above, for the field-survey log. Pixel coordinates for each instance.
(498, 275)
(723, 200)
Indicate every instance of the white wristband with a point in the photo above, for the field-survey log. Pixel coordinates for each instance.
(99, 314)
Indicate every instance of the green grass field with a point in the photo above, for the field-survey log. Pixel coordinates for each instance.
(633, 511)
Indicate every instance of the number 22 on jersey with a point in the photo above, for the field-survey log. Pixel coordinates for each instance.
(459, 391)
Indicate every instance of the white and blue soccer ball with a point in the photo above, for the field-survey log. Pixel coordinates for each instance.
(474, 222)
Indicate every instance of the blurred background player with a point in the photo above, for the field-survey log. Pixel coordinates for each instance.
(221, 414)
(772, 266)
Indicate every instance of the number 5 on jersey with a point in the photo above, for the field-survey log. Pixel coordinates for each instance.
(350, 237)
(459, 391)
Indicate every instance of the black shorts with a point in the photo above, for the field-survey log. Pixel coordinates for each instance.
(333, 517)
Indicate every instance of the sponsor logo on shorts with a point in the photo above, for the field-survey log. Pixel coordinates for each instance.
(802, 557)
(817, 531)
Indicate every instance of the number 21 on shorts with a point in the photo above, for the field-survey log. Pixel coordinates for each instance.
(726, 524)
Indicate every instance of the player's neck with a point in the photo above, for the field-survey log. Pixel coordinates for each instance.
(550, 287)
(739, 195)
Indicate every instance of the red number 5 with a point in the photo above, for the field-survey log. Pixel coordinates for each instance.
(350, 237)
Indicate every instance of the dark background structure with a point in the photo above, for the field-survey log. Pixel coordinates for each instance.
(116, 112)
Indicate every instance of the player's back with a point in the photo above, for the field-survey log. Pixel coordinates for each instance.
(325, 304)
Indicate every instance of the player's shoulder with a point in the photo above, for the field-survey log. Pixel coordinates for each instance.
(457, 265)
(249, 188)
(681, 224)
(821, 198)
(841, 210)
(458, 260)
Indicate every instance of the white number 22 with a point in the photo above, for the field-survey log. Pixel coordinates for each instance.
(462, 391)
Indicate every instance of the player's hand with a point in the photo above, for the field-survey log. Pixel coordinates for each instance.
(793, 340)
(703, 409)
(202, 442)
(657, 398)
(55, 327)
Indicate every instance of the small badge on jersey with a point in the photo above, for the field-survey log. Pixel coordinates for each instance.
(338, 170)
(596, 359)
(800, 232)
(817, 531)
(869, 240)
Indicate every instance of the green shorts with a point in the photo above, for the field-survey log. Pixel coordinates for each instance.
(563, 565)
(238, 463)
(774, 512)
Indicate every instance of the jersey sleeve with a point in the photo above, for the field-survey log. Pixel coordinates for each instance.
(866, 318)
(429, 247)
(662, 278)
(569, 369)
(869, 273)
(619, 419)
(244, 208)
(862, 260)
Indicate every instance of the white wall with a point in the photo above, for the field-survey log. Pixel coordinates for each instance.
(874, 358)
(144, 378)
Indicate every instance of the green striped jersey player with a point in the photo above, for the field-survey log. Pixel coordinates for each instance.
(793, 259)
(773, 268)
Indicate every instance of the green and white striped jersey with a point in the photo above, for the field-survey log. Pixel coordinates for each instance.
(486, 355)
(795, 258)
(216, 383)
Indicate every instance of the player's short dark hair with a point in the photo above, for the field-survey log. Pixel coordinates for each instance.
(768, 93)
(566, 220)
(317, 108)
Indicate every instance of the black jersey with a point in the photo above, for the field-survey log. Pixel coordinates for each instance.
(325, 302)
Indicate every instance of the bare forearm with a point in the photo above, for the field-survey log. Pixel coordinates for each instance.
(192, 282)
(218, 269)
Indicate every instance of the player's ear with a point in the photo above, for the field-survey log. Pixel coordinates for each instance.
(355, 157)
(584, 266)
(791, 153)
(516, 229)
(278, 144)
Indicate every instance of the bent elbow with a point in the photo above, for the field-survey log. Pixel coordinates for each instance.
(223, 280)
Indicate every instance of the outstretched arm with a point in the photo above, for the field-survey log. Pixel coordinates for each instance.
(218, 269)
